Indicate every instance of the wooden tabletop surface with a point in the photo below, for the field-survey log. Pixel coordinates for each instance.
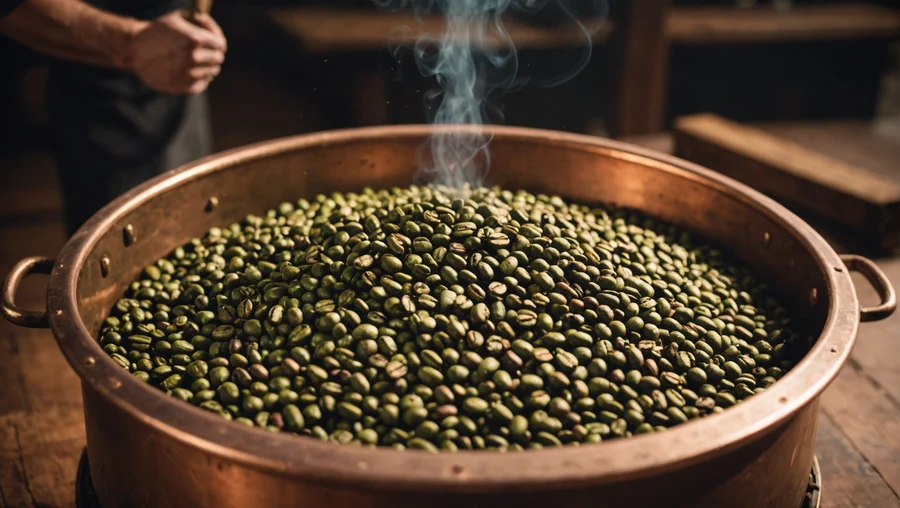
(845, 20)
(328, 30)
(42, 430)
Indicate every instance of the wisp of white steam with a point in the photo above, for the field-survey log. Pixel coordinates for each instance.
(468, 63)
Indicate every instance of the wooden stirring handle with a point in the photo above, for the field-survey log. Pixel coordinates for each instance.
(200, 7)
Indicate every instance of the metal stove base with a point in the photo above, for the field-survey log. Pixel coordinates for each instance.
(814, 487)
(85, 497)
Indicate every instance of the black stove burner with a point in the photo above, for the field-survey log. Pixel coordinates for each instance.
(814, 487)
(85, 497)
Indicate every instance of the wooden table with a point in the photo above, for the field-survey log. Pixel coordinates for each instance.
(327, 30)
(718, 25)
(350, 37)
(42, 431)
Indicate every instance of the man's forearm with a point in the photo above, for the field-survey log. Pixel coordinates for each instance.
(72, 29)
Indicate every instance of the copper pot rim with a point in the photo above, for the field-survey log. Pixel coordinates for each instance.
(307, 458)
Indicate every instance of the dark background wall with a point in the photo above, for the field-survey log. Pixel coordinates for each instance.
(801, 80)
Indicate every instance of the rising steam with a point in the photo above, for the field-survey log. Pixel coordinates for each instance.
(473, 57)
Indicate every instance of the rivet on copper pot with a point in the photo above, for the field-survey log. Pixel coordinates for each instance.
(212, 204)
(128, 235)
(813, 296)
(767, 239)
(89, 362)
(104, 266)
(115, 384)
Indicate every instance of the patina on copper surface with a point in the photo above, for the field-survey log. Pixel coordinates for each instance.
(757, 453)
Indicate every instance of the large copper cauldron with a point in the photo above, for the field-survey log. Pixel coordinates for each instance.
(150, 450)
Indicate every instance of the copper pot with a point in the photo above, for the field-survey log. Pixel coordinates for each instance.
(147, 449)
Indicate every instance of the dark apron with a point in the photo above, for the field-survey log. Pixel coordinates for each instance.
(110, 132)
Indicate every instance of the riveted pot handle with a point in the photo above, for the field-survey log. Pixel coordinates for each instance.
(879, 281)
(22, 269)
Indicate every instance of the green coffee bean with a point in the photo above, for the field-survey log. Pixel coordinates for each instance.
(434, 319)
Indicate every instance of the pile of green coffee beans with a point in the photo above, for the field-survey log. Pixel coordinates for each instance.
(428, 319)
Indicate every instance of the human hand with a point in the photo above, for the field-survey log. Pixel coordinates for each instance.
(172, 55)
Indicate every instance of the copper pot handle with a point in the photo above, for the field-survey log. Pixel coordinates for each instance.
(22, 269)
(879, 281)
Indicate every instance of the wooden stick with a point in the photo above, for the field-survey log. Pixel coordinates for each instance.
(200, 7)
(842, 194)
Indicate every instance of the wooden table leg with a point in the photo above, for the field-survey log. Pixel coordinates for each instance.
(641, 59)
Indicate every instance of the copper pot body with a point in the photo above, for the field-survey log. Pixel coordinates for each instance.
(149, 450)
